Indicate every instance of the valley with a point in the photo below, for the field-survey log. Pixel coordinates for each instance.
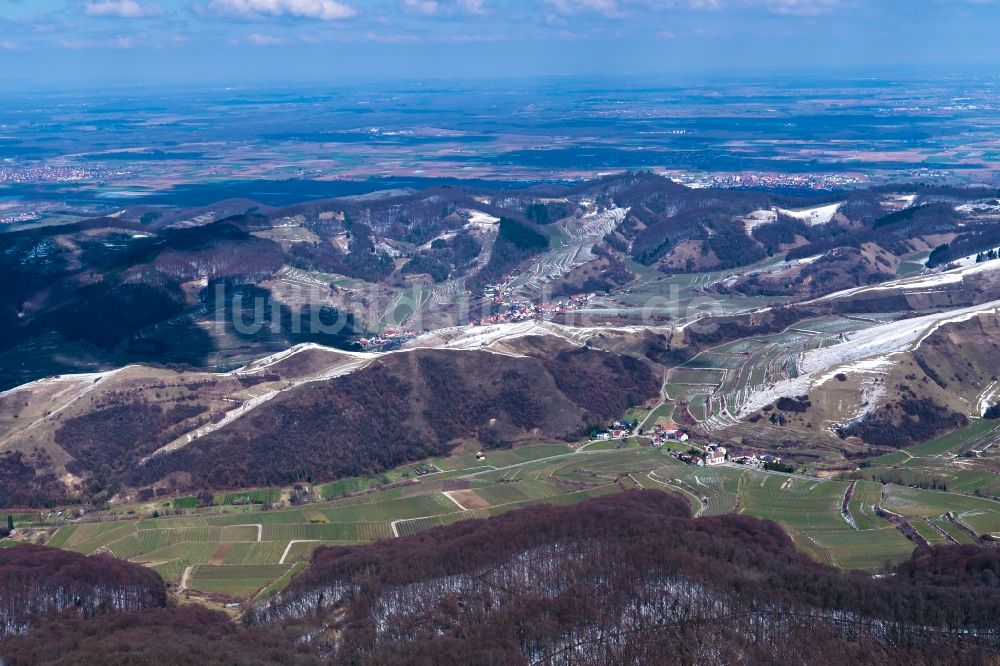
(351, 370)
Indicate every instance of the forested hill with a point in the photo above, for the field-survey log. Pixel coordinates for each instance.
(631, 578)
(409, 406)
(39, 585)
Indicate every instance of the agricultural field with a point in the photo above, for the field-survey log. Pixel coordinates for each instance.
(810, 509)
(718, 382)
(229, 551)
(962, 461)
(698, 376)
(867, 550)
(238, 580)
(865, 497)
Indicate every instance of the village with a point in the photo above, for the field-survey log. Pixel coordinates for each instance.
(504, 293)
(388, 338)
(709, 455)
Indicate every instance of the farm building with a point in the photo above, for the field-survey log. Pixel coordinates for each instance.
(715, 456)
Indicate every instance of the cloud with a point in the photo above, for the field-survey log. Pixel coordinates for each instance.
(257, 39)
(802, 7)
(119, 42)
(325, 10)
(435, 7)
(568, 7)
(425, 7)
(9, 46)
(120, 8)
(622, 8)
(379, 38)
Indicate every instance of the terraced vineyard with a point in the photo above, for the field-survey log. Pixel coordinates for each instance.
(718, 382)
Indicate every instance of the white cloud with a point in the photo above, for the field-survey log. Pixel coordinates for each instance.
(120, 8)
(435, 7)
(379, 38)
(472, 6)
(621, 8)
(9, 46)
(326, 10)
(567, 7)
(258, 39)
(426, 7)
(802, 7)
(120, 42)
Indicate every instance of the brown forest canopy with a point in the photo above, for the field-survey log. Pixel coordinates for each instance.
(631, 578)
(628, 578)
(40, 584)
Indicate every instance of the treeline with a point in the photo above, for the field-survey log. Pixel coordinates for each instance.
(220, 250)
(27, 480)
(516, 242)
(631, 578)
(908, 421)
(716, 330)
(189, 635)
(362, 261)
(604, 385)
(546, 213)
(892, 231)
(39, 585)
(981, 240)
(355, 425)
(445, 257)
(911, 480)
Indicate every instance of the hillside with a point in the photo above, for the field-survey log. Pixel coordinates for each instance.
(405, 407)
(894, 385)
(213, 287)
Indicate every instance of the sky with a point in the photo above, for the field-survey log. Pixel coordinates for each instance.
(96, 42)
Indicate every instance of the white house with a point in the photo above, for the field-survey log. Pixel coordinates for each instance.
(716, 457)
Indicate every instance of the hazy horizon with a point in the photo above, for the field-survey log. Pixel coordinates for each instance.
(106, 42)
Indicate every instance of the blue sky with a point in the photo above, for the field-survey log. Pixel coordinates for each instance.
(107, 41)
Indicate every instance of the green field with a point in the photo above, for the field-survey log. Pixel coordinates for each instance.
(235, 580)
(810, 509)
(864, 549)
(697, 376)
(862, 507)
(235, 553)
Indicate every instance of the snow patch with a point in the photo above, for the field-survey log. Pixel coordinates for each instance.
(878, 366)
(813, 216)
(868, 351)
(920, 282)
(759, 218)
(480, 220)
(989, 397)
